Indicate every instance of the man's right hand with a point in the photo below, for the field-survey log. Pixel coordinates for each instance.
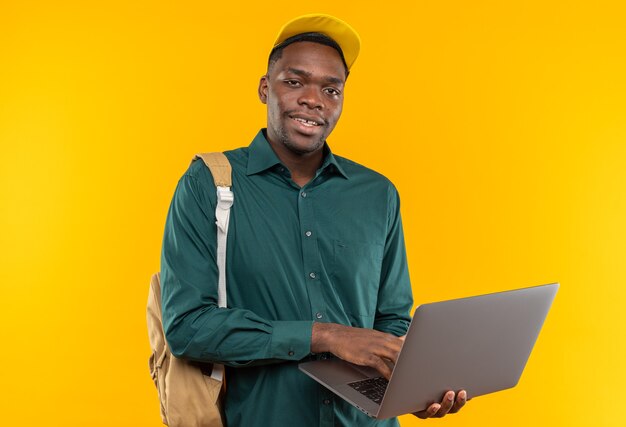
(365, 347)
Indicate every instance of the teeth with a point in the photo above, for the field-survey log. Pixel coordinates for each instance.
(306, 122)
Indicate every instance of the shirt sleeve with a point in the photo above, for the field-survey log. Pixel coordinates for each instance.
(395, 298)
(195, 327)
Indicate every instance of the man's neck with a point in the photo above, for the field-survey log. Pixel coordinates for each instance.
(301, 166)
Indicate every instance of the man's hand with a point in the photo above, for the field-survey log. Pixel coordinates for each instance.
(365, 347)
(448, 405)
(368, 347)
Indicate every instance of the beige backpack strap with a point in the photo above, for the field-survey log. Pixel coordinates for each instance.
(219, 166)
(221, 170)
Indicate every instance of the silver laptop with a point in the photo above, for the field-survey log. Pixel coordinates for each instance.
(480, 344)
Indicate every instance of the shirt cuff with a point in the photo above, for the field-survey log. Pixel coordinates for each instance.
(291, 339)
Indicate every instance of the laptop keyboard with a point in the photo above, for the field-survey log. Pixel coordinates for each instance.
(372, 388)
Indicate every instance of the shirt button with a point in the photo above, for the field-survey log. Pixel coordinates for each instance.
(319, 315)
(326, 401)
(303, 194)
(312, 275)
(308, 234)
(291, 353)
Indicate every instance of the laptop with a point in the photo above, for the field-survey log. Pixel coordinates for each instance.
(480, 344)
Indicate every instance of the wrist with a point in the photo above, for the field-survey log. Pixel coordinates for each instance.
(321, 337)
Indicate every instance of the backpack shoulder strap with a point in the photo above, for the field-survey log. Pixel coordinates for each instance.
(222, 175)
(221, 170)
(219, 166)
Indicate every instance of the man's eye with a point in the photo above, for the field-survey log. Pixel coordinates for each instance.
(331, 91)
(293, 83)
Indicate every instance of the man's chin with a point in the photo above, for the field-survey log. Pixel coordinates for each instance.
(304, 145)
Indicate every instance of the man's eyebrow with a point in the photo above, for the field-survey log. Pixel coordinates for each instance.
(300, 72)
(335, 80)
(303, 73)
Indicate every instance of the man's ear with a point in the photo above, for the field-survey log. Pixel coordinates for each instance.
(263, 89)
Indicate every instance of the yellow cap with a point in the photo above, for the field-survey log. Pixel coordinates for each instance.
(345, 36)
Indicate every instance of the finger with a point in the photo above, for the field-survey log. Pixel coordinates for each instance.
(461, 399)
(389, 364)
(388, 348)
(429, 412)
(378, 364)
(389, 356)
(446, 404)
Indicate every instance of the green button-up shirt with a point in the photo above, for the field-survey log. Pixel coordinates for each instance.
(331, 251)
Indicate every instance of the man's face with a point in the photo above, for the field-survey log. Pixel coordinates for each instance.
(303, 91)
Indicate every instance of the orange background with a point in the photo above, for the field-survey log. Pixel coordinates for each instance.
(503, 125)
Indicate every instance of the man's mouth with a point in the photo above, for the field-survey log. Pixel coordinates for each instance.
(307, 122)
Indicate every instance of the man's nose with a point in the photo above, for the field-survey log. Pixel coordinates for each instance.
(312, 98)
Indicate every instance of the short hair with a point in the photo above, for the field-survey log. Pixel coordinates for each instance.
(277, 51)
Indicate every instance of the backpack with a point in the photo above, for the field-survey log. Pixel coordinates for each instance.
(191, 393)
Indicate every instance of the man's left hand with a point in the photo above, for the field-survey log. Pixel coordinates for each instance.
(448, 405)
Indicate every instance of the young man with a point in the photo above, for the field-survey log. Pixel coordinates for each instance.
(316, 262)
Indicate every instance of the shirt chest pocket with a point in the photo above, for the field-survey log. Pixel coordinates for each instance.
(355, 276)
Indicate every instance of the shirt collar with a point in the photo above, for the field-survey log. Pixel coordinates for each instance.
(331, 161)
(261, 157)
